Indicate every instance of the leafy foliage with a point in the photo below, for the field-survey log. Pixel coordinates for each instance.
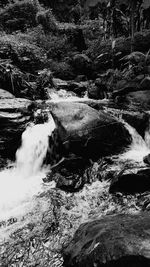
(18, 15)
(12, 79)
(61, 69)
(28, 57)
(47, 20)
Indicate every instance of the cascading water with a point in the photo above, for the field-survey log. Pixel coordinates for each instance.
(147, 135)
(139, 147)
(19, 184)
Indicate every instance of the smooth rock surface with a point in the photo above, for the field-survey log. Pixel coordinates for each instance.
(5, 94)
(90, 133)
(113, 241)
(131, 183)
(14, 115)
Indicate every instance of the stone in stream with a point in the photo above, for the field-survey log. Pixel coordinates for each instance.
(14, 116)
(112, 241)
(82, 134)
(89, 133)
(145, 84)
(138, 120)
(133, 98)
(98, 90)
(131, 183)
(5, 94)
(146, 159)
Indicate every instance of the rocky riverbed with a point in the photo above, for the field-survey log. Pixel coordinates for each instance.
(104, 193)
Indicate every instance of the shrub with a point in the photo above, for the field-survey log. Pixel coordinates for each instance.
(18, 16)
(61, 70)
(26, 56)
(12, 79)
(93, 29)
(47, 20)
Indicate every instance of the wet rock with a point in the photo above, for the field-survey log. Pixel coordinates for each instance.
(81, 78)
(5, 94)
(146, 159)
(130, 86)
(60, 84)
(98, 90)
(114, 241)
(89, 133)
(138, 120)
(139, 99)
(131, 183)
(145, 83)
(134, 100)
(72, 183)
(14, 116)
(78, 87)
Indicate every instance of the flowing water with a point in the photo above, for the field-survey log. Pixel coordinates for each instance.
(21, 182)
(139, 147)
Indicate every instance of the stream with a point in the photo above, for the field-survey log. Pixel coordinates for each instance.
(22, 187)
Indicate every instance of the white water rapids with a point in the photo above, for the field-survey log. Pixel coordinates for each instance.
(139, 147)
(20, 183)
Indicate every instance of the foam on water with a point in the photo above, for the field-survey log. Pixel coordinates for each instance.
(20, 183)
(139, 147)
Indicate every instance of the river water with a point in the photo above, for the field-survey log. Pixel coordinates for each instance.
(22, 181)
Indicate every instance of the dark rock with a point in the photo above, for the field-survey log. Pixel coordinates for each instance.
(60, 84)
(130, 86)
(134, 100)
(75, 36)
(72, 183)
(131, 183)
(82, 64)
(81, 78)
(14, 116)
(98, 90)
(140, 99)
(145, 84)
(125, 83)
(78, 88)
(146, 159)
(112, 241)
(89, 133)
(138, 120)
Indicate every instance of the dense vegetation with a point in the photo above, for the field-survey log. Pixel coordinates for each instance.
(98, 48)
(64, 39)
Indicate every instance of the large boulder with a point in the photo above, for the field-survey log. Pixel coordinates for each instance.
(146, 159)
(14, 115)
(131, 183)
(137, 100)
(138, 120)
(98, 90)
(145, 83)
(88, 132)
(113, 241)
(5, 94)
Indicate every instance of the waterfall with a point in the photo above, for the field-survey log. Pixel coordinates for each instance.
(20, 183)
(139, 147)
(147, 135)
